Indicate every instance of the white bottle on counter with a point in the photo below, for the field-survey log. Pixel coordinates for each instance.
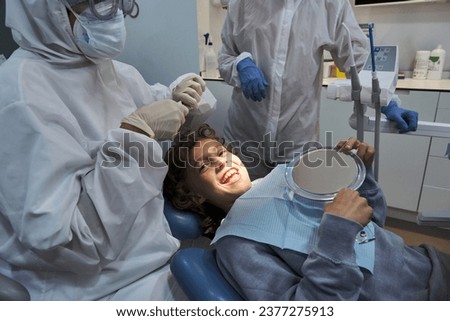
(421, 64)
(211, 63)
(436, 63)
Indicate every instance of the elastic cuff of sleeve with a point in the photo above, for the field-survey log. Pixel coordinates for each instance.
(337, 238)
(235, 73)
(140, 124)
(241, 57)
(396, 98)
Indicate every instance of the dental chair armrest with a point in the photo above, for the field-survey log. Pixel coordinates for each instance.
(197, 273)
(11, 290)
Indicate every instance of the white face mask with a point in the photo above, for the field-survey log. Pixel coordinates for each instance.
(99, 38)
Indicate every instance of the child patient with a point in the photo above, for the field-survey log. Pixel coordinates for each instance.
(273, 245)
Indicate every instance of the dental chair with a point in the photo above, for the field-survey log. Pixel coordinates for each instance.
(197, 273)
(195, 268)
(183, 224)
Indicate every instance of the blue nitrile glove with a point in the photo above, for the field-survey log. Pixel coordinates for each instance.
(253, 83)
(406, 119)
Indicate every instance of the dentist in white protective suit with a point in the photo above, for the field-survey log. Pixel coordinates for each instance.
(81, 208)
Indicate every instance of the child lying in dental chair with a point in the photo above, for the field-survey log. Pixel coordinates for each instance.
(272, 246)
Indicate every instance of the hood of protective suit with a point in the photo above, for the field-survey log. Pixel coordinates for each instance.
(43, 27)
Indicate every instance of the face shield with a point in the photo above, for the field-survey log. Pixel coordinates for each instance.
(105, 9)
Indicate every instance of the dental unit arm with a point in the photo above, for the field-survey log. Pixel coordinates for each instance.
(375, 86)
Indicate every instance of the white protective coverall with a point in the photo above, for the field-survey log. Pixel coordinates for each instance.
(286, 40)
(70, 227)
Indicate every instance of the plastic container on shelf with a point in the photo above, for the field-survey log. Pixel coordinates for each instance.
(436, 63)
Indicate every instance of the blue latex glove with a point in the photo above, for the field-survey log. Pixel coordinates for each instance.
(406, 119)
(253, 83)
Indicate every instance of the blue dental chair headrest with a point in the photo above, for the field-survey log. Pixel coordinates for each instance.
(183, 224)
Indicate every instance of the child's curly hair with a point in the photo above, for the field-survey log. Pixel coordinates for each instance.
(175, 187)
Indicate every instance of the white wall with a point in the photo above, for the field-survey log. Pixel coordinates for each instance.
(410, 26)
(162, 41)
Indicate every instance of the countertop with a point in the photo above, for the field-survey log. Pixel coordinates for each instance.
(402, 84)
(412, 84)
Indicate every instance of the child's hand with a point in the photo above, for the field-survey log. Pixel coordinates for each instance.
(363, 150)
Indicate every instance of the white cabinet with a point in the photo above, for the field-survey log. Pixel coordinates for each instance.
(402, 157)
(436, 187)
(334, 115)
